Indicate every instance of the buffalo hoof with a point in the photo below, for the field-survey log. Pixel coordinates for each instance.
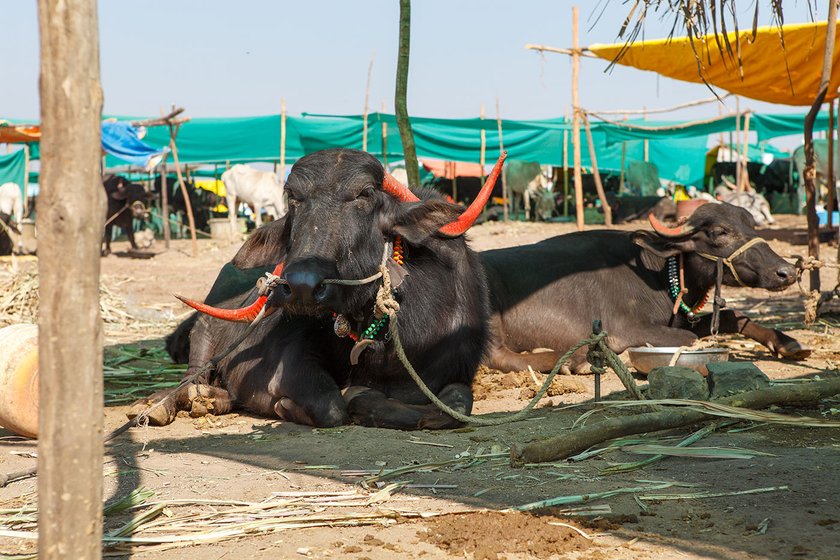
(792, 350)
(105, 252)
(162, 415)
(201, 403)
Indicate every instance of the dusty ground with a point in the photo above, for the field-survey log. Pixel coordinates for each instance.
(244, 458)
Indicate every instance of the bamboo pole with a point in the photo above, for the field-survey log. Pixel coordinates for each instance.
(646, 142)
(745, 172)
(504, 168)
(282, 176)
(737, 138)
(455, 181)
(576, 121)
(164, 203)
(596, 174)
(367, 97)
(384, 139)
(623, 163)
(565, 172)
(810, 172)
(71, 218)
(25, 181)
(830, 203)
(173, 132)
(483, 153)
(400, 95)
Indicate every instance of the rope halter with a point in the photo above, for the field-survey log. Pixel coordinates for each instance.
(728, 261)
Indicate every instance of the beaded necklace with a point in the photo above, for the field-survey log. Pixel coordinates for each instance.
(342, 325)
(677, 290)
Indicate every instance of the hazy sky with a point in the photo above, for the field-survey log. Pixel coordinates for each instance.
(223, 58)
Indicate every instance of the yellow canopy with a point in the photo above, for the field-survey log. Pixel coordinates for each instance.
(765, 75)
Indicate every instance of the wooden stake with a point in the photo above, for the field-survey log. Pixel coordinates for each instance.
(384, 138)
(565, 172)
(576, 120)
(71, 219)
(504, 168)
(25, 181)
(282, 144)
(400, 95)
(173, 132)
(745, 172)
(455, 181)
(367, 96)
(737, 138)
(596, 174)
(164, 203)
(810, 172)
(483, 153)
(832, 182)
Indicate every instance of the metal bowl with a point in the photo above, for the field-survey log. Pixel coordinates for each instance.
(645, 358)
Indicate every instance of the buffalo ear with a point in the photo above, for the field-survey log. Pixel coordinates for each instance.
(120, 194)
(150, 196)
(417, 222)
(663, 247)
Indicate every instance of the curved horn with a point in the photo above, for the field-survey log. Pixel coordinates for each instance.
(396, 189)
(666, 231)
(242, 315)
(468, 217)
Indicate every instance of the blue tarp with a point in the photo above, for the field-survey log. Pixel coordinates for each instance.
(122, 141)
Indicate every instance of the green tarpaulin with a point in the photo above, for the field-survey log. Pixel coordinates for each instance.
(13, 168)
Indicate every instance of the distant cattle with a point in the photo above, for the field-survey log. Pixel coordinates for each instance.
(7, 226)
(201, 201)
(11, 201)
(260, 189)
(751, 201)
(126, 202)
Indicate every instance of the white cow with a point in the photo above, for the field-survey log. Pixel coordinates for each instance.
(260, 189)
(11, 201)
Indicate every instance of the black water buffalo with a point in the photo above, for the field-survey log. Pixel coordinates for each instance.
(546, 295)
(345, 214)
(126, 202)
(7, 225)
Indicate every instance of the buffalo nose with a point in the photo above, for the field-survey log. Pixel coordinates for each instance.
(305, 286)
(786, 273)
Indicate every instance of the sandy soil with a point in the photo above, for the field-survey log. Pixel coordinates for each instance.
(238, 457)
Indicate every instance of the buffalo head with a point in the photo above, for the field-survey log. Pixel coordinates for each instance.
(131, 194)
(721, 232)
(344, 211)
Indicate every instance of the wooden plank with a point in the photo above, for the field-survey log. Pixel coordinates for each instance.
(71, 216)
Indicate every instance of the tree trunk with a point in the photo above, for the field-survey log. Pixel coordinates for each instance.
(71, 218)
(400, 103)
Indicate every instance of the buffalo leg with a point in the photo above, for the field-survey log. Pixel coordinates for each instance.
(504, 359)
(109, 231)
(130, 233)
(735, 322)
(305, 394)
(369, 407)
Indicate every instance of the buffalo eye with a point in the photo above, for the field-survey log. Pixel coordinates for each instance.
(717, 232)
(292, 199)
(366, 192)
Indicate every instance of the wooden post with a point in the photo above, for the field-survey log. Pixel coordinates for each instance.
(384, 139)
(365, 114)
(646, 142)
(737, 138)
(455, 181)
(565, 172)
(744, 185)
(596, 174)
(832, 182)
(576, 120)
(25, 181)
(164, 204)
(810, 172)
(282, 145)
(173, 132)
(483, 153)
(71, 218)
(400, 95)
(504, 168)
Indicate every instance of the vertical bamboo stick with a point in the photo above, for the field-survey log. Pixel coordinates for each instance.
(737, 138)
(504, 169)
(367, 96)
(164, 203)
(384, 138)
(282, 143)
(745, 173)
(576, 120)
(483, 153)
(830, 203)
(173, 132)
(565, 172)
(25, 182)
(596, 174)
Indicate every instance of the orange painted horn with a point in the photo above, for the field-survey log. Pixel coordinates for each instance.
(242, 315)
(396, 189)
(665, 231)
(468, 217)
